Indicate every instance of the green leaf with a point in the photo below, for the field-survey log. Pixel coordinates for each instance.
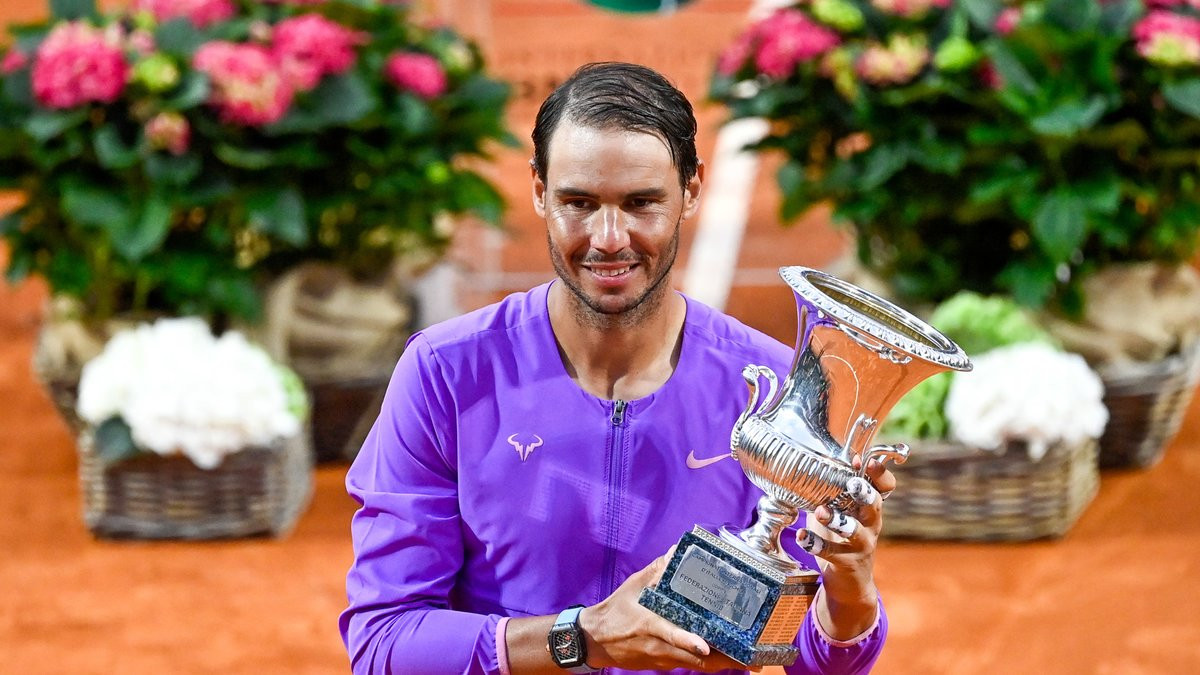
(473, 193)
(415, 116)
(483, 92)
(90, 205)
(146, 233)
(1071, 117)
(1011, 71)
(1031, 282)
(18, 88)
(791, 185)
(881, 163)
(72, 9)
(235, 294)
(178, 36)
(1100, 194)
(9, 222)
(111, 150)
(244, 158)
(1184, 95)
(1006, 180)
(1073, 15)
(193, 90)
(114, 441)
(44, 125)
(279, 213)
(943, 158)
(340, 100)
(177, 170)
(1060, 224)
(1118, 16)
(982, 13)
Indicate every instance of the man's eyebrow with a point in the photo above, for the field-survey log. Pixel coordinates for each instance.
(645, 193)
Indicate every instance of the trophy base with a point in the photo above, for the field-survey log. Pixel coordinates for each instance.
(745, 609)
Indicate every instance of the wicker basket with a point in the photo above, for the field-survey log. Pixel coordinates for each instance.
(255, 491)
(342, 414)
(1146, 404)
(951, 491)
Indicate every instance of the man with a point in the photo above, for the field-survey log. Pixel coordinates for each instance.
(546, 452)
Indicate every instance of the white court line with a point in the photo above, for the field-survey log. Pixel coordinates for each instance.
(723, 213)
(712, 266)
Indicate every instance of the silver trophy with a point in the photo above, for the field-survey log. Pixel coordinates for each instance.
(856, 356)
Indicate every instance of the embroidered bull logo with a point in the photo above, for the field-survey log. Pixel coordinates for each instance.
(524, 449)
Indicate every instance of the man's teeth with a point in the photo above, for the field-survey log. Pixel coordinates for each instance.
(612, 273)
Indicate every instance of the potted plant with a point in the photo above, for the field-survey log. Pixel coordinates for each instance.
(186, 157)
(1007, 450)
(191, 436)
(1019, 148)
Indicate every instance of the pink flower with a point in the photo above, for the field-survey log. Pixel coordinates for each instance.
(734, 56)
(78, 63)
(200, 12)
(1007, 20)
(418, 73)
(248, 87)
(310, 47)
(13, 61)
(1169, 39)
(910, 9)
(169, 131)
(989, 76)
(141, 41)
(789, 38)
(897, 63)
(1172, 3)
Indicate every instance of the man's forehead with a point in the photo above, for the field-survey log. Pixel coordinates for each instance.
(571, 128)
(573, 142)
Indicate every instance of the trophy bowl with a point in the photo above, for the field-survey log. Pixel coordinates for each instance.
(856, 355)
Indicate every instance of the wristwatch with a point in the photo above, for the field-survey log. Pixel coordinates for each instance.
(567, 645)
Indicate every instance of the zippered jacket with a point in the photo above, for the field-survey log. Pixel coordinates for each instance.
(493, 486)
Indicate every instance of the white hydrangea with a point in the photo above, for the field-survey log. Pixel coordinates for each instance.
(1029, 392)
(181, 390)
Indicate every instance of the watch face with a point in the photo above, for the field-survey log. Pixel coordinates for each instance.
(565, 645)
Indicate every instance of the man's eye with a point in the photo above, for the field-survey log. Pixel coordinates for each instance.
(640, 203)
(579, 204)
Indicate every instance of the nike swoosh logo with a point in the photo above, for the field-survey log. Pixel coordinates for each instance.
(693, 463)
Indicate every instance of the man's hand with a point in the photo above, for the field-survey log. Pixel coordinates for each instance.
(846, 542)
(622, 633)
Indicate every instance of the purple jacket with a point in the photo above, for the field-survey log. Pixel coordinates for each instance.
(493, 486)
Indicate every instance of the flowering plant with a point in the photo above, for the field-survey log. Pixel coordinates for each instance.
(170, 387)
(1028, 392)
(1000, 146)
(173, 151)
(1023, 387)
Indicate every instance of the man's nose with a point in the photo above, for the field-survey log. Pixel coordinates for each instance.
(610, 230)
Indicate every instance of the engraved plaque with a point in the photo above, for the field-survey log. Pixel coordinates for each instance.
(718, 587)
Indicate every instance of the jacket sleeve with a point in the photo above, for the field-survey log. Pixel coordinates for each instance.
(821, 654)
(407, 538)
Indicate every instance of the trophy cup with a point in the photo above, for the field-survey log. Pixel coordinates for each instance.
(856, 355)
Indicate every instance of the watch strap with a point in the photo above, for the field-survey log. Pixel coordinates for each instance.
(568, 620)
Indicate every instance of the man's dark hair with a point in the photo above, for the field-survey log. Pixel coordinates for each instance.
(620, 96)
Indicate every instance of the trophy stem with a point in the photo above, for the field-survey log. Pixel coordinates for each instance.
(761, 539)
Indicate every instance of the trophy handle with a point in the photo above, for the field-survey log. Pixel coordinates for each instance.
(897, 452)
(751, 375)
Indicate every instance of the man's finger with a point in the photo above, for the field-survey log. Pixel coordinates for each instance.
(842, 524)
(883, 479)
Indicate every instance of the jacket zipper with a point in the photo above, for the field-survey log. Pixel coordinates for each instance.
(614, 487)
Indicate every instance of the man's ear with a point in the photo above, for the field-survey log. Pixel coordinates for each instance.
(691, 193)
(539, 191)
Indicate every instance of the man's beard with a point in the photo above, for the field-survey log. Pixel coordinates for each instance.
(590, 311)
